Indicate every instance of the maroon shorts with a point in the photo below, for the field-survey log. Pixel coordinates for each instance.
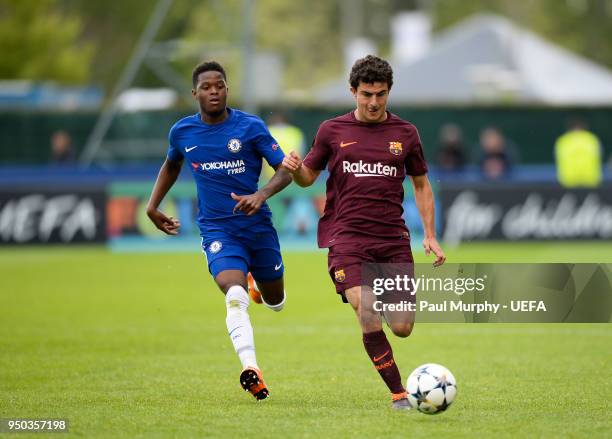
(344, 261)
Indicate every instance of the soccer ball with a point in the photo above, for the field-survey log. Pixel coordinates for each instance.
(431, 388)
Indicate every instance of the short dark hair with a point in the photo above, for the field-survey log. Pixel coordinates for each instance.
(371, 69)
(206, 66)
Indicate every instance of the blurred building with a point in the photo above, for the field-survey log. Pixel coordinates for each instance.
(487, 58)
(147, 99)
(31, 95)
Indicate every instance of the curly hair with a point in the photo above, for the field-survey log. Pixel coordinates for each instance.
(371, 69)
(206, 66)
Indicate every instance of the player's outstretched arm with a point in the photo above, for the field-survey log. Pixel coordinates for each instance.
(302, 175)
(279, 181)
(167, 176)
(250, 204)
(423, 196)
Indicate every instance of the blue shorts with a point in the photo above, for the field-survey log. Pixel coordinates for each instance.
(257, 252)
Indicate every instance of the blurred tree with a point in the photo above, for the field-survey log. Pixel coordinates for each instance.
(116, 25)
(305, 34)
(583, 26)
(38, 42)
(84, 40)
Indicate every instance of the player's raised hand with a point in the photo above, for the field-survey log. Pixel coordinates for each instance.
(292, 162)
(431, 245)
(249, 204)
(166, 224)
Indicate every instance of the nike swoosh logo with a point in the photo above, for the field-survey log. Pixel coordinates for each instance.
(344, 145)
(237, 327)
(189, 149)
(375, 359)
(277, 267)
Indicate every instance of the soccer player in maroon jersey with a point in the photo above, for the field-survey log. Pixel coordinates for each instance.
(368, 153)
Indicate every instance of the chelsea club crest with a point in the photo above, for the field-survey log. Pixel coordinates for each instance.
(215, 247)
(234, 145)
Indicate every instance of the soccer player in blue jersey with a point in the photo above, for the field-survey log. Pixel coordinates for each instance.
(224, 148)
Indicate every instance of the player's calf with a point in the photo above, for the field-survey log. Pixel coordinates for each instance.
(273, 294)
(380, 352)
(239, 325)
(276, 307)
(374, 339)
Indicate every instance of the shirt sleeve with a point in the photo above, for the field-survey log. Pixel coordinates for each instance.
(319, 154)
(266, 145)
(174, 151)
(415, 163)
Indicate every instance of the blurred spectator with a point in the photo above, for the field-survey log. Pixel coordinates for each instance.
(61, 148)
(288, 136)
(496, 152)
(578, 157)
(451, 149)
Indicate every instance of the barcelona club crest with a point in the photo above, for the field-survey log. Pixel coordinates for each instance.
(395, 148)
(339, 275)
(234, 145)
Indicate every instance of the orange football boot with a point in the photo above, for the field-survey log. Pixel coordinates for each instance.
(253, 292)
(252, 381)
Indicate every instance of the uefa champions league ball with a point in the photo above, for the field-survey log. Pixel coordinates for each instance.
(431, 388)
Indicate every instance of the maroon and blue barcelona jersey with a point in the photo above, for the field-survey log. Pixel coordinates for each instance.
(367, 165)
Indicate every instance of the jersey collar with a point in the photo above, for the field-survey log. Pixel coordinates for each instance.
(230, 116)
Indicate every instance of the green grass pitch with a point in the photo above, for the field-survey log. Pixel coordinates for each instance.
(135, 345)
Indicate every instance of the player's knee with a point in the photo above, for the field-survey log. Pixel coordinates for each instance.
(402, 329)
(225, 280)
(225, 286)
(369, 321)
(367, 314)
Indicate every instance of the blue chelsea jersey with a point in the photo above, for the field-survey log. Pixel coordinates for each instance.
(224, 158)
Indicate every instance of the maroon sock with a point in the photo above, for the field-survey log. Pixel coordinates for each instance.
(379, 350)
